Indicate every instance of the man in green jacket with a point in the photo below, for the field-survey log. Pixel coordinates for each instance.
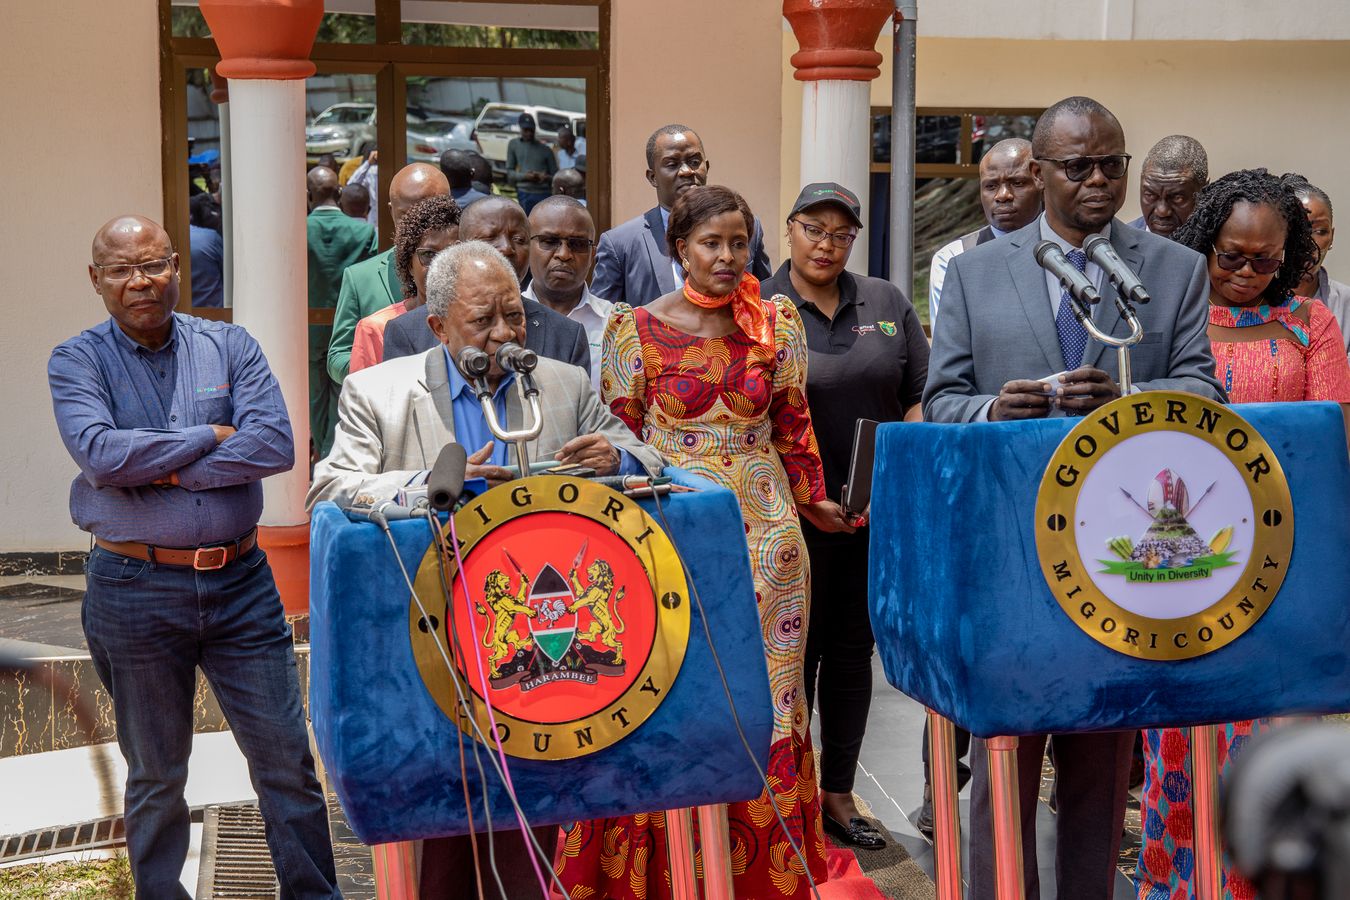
(336, 242)
(372, 285)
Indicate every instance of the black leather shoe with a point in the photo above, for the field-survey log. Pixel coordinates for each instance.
(926, 821)
(859, 832)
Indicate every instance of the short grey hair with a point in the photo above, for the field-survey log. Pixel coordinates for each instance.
(1182, 154)
(443, 277)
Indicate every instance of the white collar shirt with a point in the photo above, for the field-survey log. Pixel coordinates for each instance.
(591, 313)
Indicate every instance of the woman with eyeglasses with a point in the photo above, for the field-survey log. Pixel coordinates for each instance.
(1269, 345)
(713, 375)
(867, 359)
(425, 230)
(1317, 283)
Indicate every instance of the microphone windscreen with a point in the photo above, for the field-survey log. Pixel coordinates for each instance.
(446, 481)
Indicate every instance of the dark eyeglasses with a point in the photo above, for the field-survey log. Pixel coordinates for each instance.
(815, 234)
(550, 244)
(1079, 168)
(1261, 265)
(426, 255)
(154, 268)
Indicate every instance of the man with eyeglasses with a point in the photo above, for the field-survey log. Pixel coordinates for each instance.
(174, 421)
(631, 263)
(562, 246)
(1009, 198)
(500, 222)
(1008, 347)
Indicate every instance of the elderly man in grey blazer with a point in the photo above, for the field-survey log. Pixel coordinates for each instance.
(394, 418)
(1005, 326)
(631, 261)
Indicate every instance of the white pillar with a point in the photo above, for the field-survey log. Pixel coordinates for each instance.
(837, 145)
(226, 204)
(271, 287)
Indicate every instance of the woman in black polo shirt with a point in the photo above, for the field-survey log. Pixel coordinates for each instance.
(868, 358)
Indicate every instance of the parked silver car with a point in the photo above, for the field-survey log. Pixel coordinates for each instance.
(340, 129)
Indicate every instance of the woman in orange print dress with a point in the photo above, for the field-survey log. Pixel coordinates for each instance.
(1268, 345)
(714, 376)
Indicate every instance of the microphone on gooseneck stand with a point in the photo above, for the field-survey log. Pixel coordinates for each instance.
(446, 481)
(1050, 257)
(1098, 249)
(514, 358)
(383, 512)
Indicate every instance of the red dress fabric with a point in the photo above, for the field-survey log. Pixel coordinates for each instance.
(734, 411)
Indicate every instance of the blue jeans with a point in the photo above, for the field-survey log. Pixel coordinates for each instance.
(529, 199)
(149, 627)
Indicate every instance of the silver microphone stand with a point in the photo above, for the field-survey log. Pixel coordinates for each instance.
(1122, 344)
(529, 397)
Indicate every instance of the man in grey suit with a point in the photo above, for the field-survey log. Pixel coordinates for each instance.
(394, 418)
(1005, 323)
(501, 223)
(631, 263)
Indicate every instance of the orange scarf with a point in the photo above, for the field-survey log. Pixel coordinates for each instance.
(747, 309)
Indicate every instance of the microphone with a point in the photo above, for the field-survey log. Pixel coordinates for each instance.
(472, 363)
(514, 358)
(1098, 249)
(385, 511)
(1051, 258)
(446, 481)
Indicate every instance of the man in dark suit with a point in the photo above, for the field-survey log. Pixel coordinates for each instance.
(501, 223)
(631, 263)
(1173, 173)
(1006, 323)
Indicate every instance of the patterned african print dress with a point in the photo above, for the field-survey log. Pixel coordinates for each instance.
(734, 412)
(1308, 364)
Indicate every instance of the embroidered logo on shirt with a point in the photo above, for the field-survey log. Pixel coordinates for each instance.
(887, 328)
(216, 389)
(864, 329)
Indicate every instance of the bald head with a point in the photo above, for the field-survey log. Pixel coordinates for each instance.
(1009, 150)
(501, 223)
(321, 184)
(124, 232)
(413, 184)
(1008, 192)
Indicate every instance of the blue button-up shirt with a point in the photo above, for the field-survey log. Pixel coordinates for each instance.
(130, 415)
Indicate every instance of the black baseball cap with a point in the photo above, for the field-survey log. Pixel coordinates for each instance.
(829, 192)
(526, 121)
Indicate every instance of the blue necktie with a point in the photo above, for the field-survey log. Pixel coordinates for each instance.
(1073, 337)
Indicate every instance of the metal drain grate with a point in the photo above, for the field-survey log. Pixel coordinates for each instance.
(91, 835)
(235, 863)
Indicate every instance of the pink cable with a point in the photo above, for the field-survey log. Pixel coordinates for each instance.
(492, 720)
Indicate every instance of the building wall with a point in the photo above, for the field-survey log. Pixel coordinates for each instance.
(1156, 88)
(1147, 20)
(713, 65)
(81, 99)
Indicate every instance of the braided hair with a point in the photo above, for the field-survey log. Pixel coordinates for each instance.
(1306, 190)
(1214, 205)
(431, 214)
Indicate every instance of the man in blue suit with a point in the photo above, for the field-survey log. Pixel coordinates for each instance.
(631, 263)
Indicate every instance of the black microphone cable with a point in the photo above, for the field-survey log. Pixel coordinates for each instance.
(735, 716)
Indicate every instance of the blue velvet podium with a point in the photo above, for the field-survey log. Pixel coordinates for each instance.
(392, 753)
(966, 624)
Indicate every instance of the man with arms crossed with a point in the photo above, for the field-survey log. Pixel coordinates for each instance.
(174, 421)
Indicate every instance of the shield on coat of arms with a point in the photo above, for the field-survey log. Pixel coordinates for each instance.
(554, 627)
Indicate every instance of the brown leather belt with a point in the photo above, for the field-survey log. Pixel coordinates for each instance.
(203, 559)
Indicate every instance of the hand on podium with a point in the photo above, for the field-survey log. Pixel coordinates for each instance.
(493, 475)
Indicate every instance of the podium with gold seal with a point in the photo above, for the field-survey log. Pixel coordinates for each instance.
(580, 614)
(1164, 561)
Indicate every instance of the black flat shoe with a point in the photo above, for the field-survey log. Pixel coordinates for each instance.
(859, 832)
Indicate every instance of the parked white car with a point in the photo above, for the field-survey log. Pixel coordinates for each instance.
(498, 123)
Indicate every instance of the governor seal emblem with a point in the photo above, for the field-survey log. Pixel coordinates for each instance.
(1164, 525)
(570, 616)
